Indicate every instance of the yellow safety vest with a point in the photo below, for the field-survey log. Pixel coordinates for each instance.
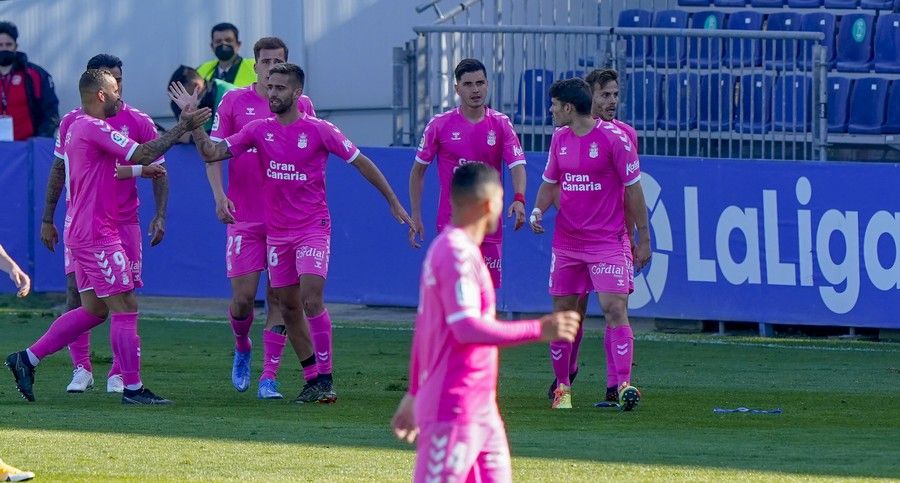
(245, 74)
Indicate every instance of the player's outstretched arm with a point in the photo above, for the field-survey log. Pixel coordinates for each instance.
(55, 183)
(374, 175)
(210, 150)
(478, 330)
(416, 187)
(151, 151)
(546, 194)
(636, 214)
(8, 265)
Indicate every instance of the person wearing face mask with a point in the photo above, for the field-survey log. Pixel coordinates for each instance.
(27, 93)
(211, 91)
(228, 65)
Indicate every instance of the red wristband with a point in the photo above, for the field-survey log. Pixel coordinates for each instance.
(519, 197)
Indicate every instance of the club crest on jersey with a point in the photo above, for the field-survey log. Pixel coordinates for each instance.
(454, 136)
(119, 138)
(270, 137)
(302, 141)
(16, 80)
(491, 138)
(251, 111)
(595, 150)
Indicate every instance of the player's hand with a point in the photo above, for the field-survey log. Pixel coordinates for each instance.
(517, 208)
(192, 119)
(400, 214)
(23, 283)
(535, 221)
(560, 326)
(153, 171)
(49, 236)
(225, 210)
(641, 254)
(416, 232)
(179, 95)
(157, 230)
(404, 421)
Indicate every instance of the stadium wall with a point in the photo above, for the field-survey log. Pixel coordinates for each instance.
(775, 242)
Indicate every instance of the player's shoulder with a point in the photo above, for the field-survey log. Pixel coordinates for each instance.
(497, 116)
(139, 116)
(614, 134)
(442, 118)
(319, 124)
(235, 95)
(71, 115)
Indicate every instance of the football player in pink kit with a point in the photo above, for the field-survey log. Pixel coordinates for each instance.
(139, 127)
(243, 210)
(604, 104)
(591, 166)
(469, 133)
(102, 268)
(292, 150)
(451, 405)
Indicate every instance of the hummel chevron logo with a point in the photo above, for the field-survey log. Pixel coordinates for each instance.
(440, 442)
(437, 454)
(100, 256)
(323, 356)
(106, 272)
(622, 349)
(556, 354)
(111, 279)
(104, 264)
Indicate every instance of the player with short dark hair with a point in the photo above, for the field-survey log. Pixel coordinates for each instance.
(591, 166)
(451, 404)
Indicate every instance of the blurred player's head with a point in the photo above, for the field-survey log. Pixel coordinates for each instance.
(9, 38)
(99, 92)
(471, 82)
(192, 81)
(109, 62)
(268, 52)
(569, 99)
(224, 41)
(284, 87)
(604, 93)
(477, 196)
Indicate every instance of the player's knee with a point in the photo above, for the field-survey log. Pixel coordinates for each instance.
(313, 305)
(616, 312)
(241, 308)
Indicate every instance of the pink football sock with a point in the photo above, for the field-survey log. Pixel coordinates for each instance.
(64, 331)
(80, 351)
(273, 347)
(126, 345)
(310, 369)
(576, 345)
(241, 330)
(114, 369)
(612, 377)
(622, 344)
(320, 330)
(560, 354)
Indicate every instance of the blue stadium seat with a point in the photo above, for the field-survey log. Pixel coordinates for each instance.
(729, 3)
(743, 52)
(838, 103)
(841, 3)
(782, 54)
(804, 3)
(877, 4)
(706, 53)
(571, 74)
(679, 105)
(892, 123)
(636, 48)
(716, 111)
(754, 113)
(887, 43)
(867, 105)
(767, 3)
(854, 43)
(817, 22)
(642, 99)
(669, 51)
(693, 3)
(533, 99)
(792, 109)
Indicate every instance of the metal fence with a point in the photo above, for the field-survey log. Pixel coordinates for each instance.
(688, 92)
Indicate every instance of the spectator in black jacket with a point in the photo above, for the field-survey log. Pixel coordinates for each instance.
(26, 90)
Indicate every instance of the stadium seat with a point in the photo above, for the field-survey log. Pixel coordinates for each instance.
(636, 48)
(854, 43)
(706, 53)
(754, 113)
(804, 3)
(782, 53)
(793, 109)
(817, 22)
(716, 111)
(887, 43)
(679, 104)
(867, 105)
(838, 103)
(767, 3)
(877, 4)
(743, 52)
(571, 74)
(841, 3)
(892, 123)
(669, 51)
(729, 3)
(642, 99)
(534, 99)
(693, 3)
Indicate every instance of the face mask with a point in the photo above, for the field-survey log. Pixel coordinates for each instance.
(224, 52)
(7, 57)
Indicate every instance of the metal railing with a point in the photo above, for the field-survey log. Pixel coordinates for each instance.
(688, 92)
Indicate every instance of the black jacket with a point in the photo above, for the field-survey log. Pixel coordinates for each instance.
(44, 108)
